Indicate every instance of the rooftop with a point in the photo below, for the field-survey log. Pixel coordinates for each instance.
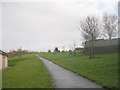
(3, 53)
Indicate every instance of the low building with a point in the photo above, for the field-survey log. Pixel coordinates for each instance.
(79, 49)
(3, 60)
(103, 46)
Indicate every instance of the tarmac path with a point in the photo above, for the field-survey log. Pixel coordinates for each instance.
(64, 78)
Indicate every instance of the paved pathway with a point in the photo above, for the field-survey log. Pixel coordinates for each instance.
(66, 79)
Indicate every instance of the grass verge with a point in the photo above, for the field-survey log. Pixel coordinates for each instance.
(26, 72)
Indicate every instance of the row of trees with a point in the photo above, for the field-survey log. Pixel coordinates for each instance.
(55, 50)
(18, 52)
(90, 28)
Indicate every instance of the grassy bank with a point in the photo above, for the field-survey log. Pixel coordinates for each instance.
(102, 70)
(26, 72)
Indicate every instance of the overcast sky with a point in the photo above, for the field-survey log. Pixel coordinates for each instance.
(47, 24)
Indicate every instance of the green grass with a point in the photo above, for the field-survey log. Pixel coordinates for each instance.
(26, 72)
(102, 70)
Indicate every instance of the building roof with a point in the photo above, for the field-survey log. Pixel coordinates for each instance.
(3, 53)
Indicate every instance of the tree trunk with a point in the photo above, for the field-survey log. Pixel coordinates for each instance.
(92, 47)
(91, 55)
(110, 46)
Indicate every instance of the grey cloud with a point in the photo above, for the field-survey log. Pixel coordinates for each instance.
(42, 25)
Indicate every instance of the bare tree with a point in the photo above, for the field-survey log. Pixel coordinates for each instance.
(118, 26)
(89, 28)
(110, 26)
(110, 30)
(63, 49)
(74, 50)
(70, 50)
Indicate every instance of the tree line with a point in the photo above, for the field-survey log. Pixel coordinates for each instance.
(19, 52)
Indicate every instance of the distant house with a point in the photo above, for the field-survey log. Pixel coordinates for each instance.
(3, 60)
(79, 49)
(103, 46)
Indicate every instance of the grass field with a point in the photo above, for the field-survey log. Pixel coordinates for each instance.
(26, 72)
(102, 70)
